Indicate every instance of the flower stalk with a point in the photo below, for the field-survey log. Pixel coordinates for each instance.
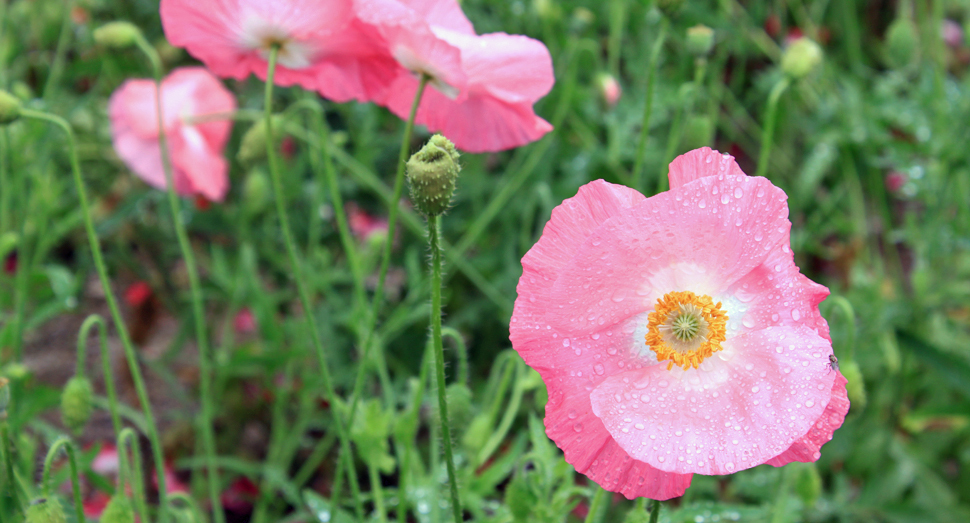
(205, 364)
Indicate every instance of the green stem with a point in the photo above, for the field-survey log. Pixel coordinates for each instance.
(648, 104)
(596, 506)
(82, 338)
(57, 65)
(187, 500)
(439, 361)
(378, 298)
(131, 471)
(768, 132)
(654, 510)
(205, 364)
(8, 465)
(617, 20)
(375, 485)
(297, 270)
(122, 329)
(45, 484)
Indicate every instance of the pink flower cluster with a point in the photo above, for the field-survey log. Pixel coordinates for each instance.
(481, 87)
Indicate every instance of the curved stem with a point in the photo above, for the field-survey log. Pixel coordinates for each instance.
(187, 500)
(767, 135)
(89, 323)
(297, 269)
(648, 104)
(202, 339)
(439, 360)
(122, 329)
(133, 472)
(68, 447)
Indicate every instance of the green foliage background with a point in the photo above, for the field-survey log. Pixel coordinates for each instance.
(871, 149)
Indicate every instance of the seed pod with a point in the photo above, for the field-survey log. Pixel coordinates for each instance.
(801, 58)
(9, 107)
(253, 145)
(77, 402)
(700, 40)
(45, 511)
(901, 42)
(432, 173)
(117, 35)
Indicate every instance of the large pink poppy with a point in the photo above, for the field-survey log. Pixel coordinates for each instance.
(322, 45)
(196, 148)
(482, 87)
(675, 334)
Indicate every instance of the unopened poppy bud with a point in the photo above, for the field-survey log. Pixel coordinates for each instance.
(4, 397)
(253, 145)
(609, 88)
(9, 107)
(700, 40)
(119, 510)
(901, 42)
(45, 511)
(117, 35)
(432, 173)
(698, 131)
(801, 57)
(670, 7)
(77, 402)
(255, 192)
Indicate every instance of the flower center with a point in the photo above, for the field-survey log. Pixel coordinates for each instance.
(685, 329)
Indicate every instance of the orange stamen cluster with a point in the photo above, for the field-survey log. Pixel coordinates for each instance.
(685, 329)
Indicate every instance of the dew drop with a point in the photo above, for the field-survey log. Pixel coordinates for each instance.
(748, 322)
(578, 427)
(599, 369)
(572, 414)
(738, 193)
(702, 204)
(795, 315)
(809, 403)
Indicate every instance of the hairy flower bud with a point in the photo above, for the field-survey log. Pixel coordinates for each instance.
(4, 397)
(119, 510)
(432, 173)
(253, 145)
(901, 42)
(9, 107)
(256, 192)
(45, 511)
(609, 88)
(801, 57)
(700, 40)
(77, 403)
(117, 35)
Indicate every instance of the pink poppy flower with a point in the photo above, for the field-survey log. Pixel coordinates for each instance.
(364, 225)
(675, 334)
(196, 149)
(482, 87)
(322, 45)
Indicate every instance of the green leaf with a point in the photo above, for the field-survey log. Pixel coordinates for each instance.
(321, 510)
(952, 368)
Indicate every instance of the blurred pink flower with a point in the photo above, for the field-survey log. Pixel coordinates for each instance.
(482, 87)
(196, 149)
(895, 180)
(245, 321)
(675, 334)
(952, 33)
(322, 46)
(364, 225)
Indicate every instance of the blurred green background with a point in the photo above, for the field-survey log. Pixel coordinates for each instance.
(871, 147)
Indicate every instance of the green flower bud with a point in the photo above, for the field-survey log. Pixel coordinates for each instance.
(255, 192)
(698, 132)
(77, 402)
(16, 371)
(4, 397)
(45, 511)
(460, 408)
(520, 498)
(432, 173)
(808, 484)
(582, 18)
(670, 7)
(9, 107)
(117, 35)
(801, 57)
(119, 510)
(902, 42)
(477, 433)
(856, 387)
(700, 40)
(253, 146)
